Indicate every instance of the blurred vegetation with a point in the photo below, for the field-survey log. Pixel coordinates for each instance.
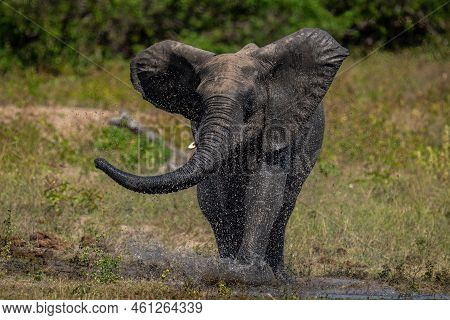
(102, 29)
(129, 149)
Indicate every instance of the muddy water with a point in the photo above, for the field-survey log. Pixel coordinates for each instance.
(343, 288)
(151, 260)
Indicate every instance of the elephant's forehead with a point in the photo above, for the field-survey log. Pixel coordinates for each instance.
(231, 64)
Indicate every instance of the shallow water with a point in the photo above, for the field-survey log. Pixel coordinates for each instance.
(344, 288)
(149, 260)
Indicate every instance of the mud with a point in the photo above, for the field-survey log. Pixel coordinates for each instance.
(150, 262)
(147, 259)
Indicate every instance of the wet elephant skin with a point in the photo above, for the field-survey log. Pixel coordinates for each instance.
(257, 120)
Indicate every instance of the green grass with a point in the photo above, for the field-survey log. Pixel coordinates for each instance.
(128, 150)
(375, 207)
(93, 88)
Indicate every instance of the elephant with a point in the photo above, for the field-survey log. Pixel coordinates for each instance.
(258, 122)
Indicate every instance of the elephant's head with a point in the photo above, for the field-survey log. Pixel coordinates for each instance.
(269, 87)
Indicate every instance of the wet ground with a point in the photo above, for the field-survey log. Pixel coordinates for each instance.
(153, 259)
(342, 288)
(146, 259)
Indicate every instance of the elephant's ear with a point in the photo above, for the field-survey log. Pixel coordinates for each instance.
(166, 75)
(301, 68)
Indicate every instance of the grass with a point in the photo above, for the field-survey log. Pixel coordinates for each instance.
(375, 207)
(123, 289)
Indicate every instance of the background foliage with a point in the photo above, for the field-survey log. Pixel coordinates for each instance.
(105, 28)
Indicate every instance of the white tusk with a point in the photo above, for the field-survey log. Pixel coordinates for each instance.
(192, 146)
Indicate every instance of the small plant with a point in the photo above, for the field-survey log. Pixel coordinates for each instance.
(38, 275)
(223, 290)
(385, 273)
(84, 256)
(163, 279)
(55, 194)
(6, 240)
(328, 168)
(165, 274)
(428, 275)
(131, 149)
(85, 200)
(443, 278)
(81, 291)
(436, 160)
(421, 244)
(60, 195)
(63, 149)
(97, 264)
(191, 290)
(106, 267)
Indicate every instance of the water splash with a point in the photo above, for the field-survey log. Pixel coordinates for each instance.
(148, 259)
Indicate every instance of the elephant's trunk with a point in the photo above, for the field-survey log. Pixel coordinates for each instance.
(212, 148)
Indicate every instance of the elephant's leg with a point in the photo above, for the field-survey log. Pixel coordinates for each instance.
(305, 155)
(228, 232)
(225, 220)
(275, 247)
(263, 201)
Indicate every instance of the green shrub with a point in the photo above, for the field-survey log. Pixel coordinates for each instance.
(131, 150)
(49, 34)
(106, 267)
(98, 265)
(60, 196)
(6, 237)
(436, 160)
